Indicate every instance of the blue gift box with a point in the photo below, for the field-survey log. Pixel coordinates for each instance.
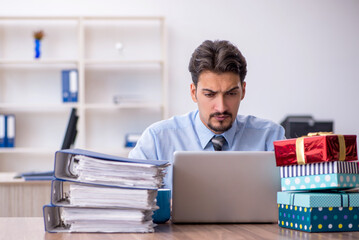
(318, 212)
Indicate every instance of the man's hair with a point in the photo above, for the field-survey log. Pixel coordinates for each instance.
(217, 56)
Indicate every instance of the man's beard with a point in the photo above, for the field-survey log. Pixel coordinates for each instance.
(221, 128)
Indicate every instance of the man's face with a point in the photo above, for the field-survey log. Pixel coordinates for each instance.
(218, 97)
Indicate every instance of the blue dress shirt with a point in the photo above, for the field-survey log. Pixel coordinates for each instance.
(188, 133)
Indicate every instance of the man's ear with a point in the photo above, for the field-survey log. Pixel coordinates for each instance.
(243, 90)
(193, 92)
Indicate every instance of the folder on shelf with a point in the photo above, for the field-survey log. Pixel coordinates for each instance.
(131, 139)
(69, 85)
(10, 131)
(36, 176)
(7, 130)
(2, 130)
(76, 219)
(73, 194)
(91, 167)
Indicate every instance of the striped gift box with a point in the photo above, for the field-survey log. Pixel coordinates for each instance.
(319, 168)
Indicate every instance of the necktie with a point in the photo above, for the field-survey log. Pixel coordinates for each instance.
(218, 142)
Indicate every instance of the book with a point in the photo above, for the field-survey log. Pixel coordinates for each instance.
(64, 193)
(76, 219)
(90, 167)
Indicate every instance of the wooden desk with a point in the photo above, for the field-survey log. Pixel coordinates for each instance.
(33, 229)
(22, 199)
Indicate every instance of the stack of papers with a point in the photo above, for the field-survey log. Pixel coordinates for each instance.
(67, 193)
(107, 220)
(93, 192)
(122, 174)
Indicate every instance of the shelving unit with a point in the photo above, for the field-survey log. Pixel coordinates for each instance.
(118, 58)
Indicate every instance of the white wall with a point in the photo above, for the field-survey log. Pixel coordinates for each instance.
(303, 56)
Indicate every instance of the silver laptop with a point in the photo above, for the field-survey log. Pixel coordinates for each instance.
(225, 187)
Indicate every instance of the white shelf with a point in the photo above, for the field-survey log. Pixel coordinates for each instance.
(32, 88)
(119, 61)
(16, 150)
(31, 18)
(47, 151)
(127, 18)
(93, 18)
(123, 106)
(40, 61)
(38, 107)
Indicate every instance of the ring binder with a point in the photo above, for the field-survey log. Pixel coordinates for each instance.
(111, 194)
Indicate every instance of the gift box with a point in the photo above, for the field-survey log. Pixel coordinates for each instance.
(315, 149)
(335, 181)
(318, 212)
(319, 169)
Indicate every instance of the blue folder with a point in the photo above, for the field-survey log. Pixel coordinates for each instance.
(2, 130)
(37, 176)
(10, 130)
(69, 85)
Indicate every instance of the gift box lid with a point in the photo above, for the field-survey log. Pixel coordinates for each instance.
(319, 199)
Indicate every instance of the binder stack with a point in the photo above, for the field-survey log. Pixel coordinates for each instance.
(94, 192)
(318, 179)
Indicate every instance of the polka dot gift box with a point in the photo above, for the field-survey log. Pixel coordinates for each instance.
(318, 176)
(318, 212)
(320, 182)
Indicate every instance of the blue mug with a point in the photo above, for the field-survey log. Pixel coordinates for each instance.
(163, 214)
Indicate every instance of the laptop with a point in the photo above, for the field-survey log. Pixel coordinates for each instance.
(225, 187)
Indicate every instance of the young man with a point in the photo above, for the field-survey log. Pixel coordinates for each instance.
(218, 71)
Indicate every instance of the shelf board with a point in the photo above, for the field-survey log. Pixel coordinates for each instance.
(93, 18)
(38, 62)
(111, 18)
(38, 107)
(123, 152)
(7, 18)
(23, 150)
(120, 61)
(110, 106)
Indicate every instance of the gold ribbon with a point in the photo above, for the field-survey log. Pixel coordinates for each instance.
(299, 146)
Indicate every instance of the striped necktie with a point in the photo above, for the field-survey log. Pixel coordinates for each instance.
(218, 142)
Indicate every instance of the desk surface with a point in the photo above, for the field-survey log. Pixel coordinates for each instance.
(32, 228)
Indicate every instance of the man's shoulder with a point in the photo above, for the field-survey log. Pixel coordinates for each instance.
(250, 121)
(175, 122)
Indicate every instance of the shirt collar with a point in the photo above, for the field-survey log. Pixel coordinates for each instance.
(205, 135)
